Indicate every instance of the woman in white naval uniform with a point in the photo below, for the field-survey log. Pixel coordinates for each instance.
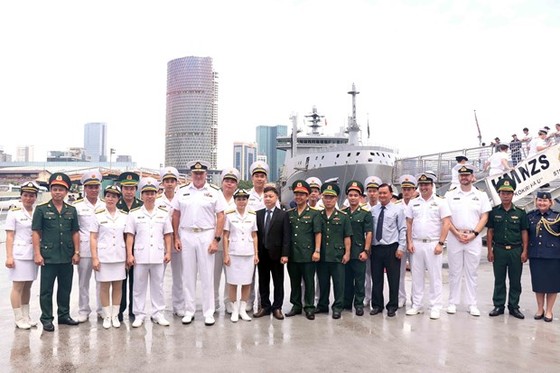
(19, 254)
(108, 254)
(149, 230)
(240, 252)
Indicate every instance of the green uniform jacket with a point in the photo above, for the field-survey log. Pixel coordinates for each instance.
(304, 227)
(507, 225)
(121, 205)
(362, 223)
(56, 231)
(335, 229)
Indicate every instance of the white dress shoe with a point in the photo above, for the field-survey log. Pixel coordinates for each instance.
(434, 314)
(229, 307)
(413, 311)
(161, 320)
(474, 311)
(82, 318)
(451, 309)
(179, 313)
(402, 303)
(137, 322)
(187, 319)
(209, 320)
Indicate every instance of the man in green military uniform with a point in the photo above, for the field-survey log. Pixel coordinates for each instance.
(129, 186)
(304, 251)
(56, 246)
(362, 228)
(335, 251)
(507, 241)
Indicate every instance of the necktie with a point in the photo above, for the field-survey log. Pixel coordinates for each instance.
(267, 220)
(379, 229)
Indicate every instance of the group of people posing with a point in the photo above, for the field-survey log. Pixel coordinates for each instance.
(203, 232)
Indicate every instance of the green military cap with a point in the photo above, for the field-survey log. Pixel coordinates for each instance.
(241, 193)
(129, 178)
(60, 178)
(301, 186)
(330, 189)
(505, 185)
(355, 185)
(113, 188)
(29, 187)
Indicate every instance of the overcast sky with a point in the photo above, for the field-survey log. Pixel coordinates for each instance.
(422, 67)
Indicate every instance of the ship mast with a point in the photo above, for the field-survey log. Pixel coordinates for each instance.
(293, 117)
(353, 128)
(315, 119)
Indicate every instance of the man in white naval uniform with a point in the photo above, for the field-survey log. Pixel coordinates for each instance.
(198, 223)
(149, 231)
(427, 223)
(230, 179)
(259, 177)
(408, 188)
(86, 208)
(371, 184)
(469, 214)
(169, 177)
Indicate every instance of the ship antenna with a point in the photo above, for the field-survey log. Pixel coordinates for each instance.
(315, 120)
(353, 128)
(478, 128)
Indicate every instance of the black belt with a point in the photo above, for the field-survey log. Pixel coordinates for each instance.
(507, 247)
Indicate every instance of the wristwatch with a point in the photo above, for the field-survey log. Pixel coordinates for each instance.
(441, 243)
(476, 233)
(218, 238)
(77, 253)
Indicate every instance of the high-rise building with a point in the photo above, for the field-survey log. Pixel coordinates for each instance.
(244, 154)
(95, 142)
(191, 124)
(266, 145)
(25, 153)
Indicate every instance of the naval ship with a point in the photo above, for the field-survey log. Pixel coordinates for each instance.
(341, 156)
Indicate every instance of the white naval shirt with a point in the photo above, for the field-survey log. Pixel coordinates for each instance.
(256, 201)
(467, 207)
(198, 207)
(86, 218)
(149, 230)
(111, 246)
(427, 215)
(163, 201)
(19, 221)
(240, 228)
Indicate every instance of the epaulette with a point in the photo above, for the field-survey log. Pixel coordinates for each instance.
(397, 202)
(449, 190)
(159, 196)
(124, 212)
(163, 208)
(292, 209)
(99, 211)
(78, 201)
(251, 212)
(364, 208)
(214, 186)
(229, 211)
(184, 185)
(136, 208)
(15, 208)
(342, 212)
(314, 208)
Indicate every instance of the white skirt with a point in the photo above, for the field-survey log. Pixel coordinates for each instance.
(111, 272)
(240, 270)
(25, 270)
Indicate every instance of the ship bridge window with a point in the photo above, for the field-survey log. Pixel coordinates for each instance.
(349, 154)
(323, 157)
(338, 155)
(370, 160)
(357, 154)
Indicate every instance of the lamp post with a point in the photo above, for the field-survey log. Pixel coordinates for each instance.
(111, 152)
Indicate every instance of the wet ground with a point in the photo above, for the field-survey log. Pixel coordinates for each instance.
(454, 343)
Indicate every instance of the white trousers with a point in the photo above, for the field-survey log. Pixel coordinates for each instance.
(219, 268)
(197, 260)
(463, 261)
(402, 286)
(424, 259)
(85, 269)
(177, 290)
(145, 274)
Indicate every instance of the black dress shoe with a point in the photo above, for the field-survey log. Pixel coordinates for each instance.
(260, 313)
(278, 315)
(321, 310)
(516, 313)
(48, 327)
(293, 312)
(359, 311)
(309, 314)
(496, 311)
(375, 311)
(548, 319)
(538, 317)
(336, 315)
(391, 313)
(67, 321)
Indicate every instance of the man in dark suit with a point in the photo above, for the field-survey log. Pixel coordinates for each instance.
(273, 235)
